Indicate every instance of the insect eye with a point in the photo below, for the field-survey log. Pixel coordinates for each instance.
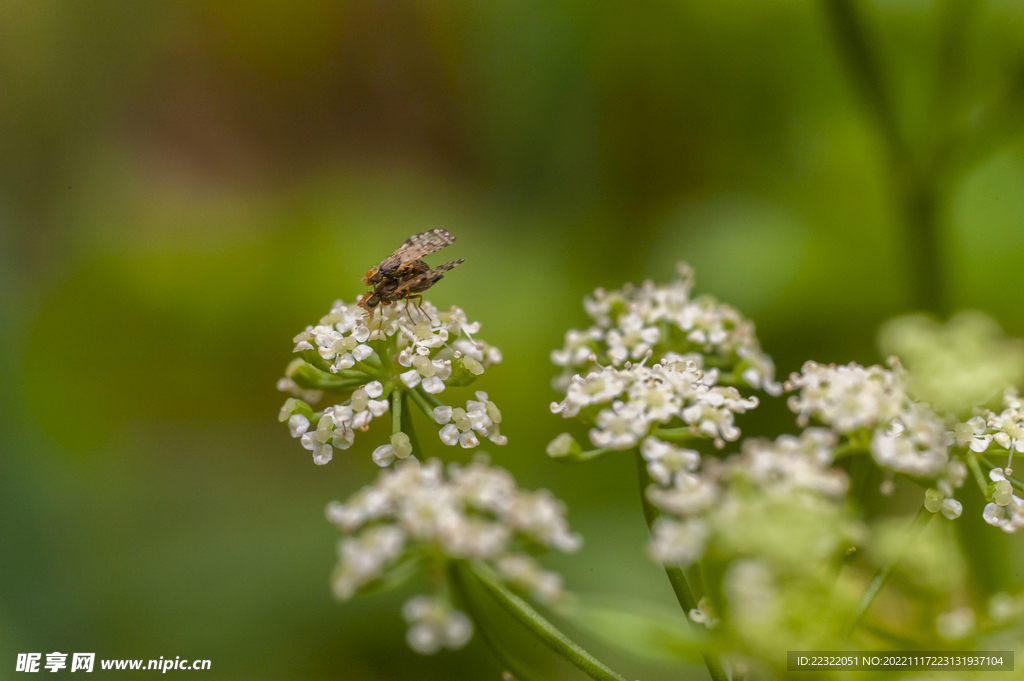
(377, 277)
(374, 301)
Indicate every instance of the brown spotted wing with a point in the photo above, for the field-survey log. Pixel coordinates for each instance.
(407, 260)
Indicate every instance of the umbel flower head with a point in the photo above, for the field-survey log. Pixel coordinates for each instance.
(778, 505)
(734, 502)
(654, 320)
(423, 515)
(656, 357)
(371, 365)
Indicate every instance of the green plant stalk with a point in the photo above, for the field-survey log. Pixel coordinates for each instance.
(427, 397)
(676, 577)
(584, 456)
(460, 587)
(406, 423)
(421, 402)
(371, 371)
(396, 411)
(979, 477)
(913, 182)
(876, 585)
(675, 434)
(540, 627)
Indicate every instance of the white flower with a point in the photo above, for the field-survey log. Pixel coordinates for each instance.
(480, 418)
(449, 435)
(361, 559)
(971, 434)
(384, 455)
(298, 424)
(521, 569)
(474, 511)
(951, 508)
(847, 398)
(631, 401)
(631, 323)
(956, 624)
(434, 624)
(703, 614)
(690, 494)
(664, 460)
(915, 443)
(411, 378)
(680, 543)
(792, 463)
(425, 343)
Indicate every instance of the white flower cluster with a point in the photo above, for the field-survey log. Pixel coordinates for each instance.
(461, 426)
(625, 404)
(473, 512)
(905, 436)
(655, 320)
(342, 338)
(697, 505)
(336, 426)
(393, 350)
(435, 624)
(1006, 428)
(1006, 510)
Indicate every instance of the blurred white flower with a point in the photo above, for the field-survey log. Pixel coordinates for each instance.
(435, 624)
(658, 319)
(467, 512)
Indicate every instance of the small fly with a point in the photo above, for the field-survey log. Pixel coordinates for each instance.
(404, 275)
(407, 260)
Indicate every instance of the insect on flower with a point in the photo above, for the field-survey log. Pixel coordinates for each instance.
(404, 275)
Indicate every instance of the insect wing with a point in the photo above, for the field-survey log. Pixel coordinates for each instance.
(408, 259)
(421, 282)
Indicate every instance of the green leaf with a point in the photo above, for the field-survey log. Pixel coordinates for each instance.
(642, 629)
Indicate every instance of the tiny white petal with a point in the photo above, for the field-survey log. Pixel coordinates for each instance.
(298, 424)
(449, 434)
(384, 455)
(432, 385)
(377, 407)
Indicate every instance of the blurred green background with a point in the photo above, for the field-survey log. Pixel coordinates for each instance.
(184, 186)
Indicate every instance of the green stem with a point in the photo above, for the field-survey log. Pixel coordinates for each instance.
(396, 411)
(421, 402)
(676, 577)
(1013, 481)
(675, 434)
(882, 576)
(430, 399)
(979, 477)
(309, 377)
(913, 185)
(370, 370)
(584, 456)
(540, 627)
(406, 423)
(849, 449)
(507, 660)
